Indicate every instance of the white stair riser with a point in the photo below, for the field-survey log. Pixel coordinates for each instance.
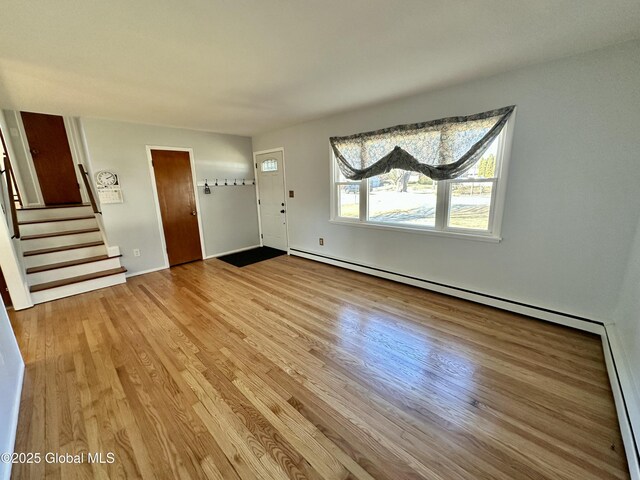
(64, 256)
(64, 240)
(52, 227)
(75, 271)
(76, 288)
(60, 212)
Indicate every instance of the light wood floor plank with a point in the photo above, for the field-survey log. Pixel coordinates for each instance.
(291, 369)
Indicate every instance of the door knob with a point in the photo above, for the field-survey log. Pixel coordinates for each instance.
(34, 151)
(194, 213)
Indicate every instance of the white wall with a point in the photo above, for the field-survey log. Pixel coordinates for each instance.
(21, 163)
(11, 374)
(10, 254)
(228, 214)
(572, 201)
(627, 333)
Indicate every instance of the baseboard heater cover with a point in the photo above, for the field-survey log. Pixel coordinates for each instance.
(451, 290)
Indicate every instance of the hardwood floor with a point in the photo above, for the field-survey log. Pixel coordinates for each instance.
(294, 369)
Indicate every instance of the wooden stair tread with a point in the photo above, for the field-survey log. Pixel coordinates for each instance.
(46, 207)
(70, 263)
(63, 219)
(59, 234)
(81, 278)
(61, 249)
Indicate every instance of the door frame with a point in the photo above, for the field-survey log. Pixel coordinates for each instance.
(27, 155)
(74, 138)
(154, 187)
(284, 186)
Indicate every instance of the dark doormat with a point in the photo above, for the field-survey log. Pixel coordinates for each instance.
(248, 257)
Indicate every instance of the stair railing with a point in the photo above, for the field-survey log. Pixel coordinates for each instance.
(87, 185)
(16, 192)
(10, 180)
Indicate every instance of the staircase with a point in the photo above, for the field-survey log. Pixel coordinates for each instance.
(64, 252)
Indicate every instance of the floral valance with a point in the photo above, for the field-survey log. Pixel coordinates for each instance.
(440, 149)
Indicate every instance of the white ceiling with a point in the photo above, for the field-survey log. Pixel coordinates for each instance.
(248, 66)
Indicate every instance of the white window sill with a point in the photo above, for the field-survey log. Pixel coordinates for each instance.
(464, 235)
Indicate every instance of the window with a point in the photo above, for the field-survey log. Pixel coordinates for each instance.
(270, 165)
(469, 205)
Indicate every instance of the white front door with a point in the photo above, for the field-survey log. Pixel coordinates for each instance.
(273, 215)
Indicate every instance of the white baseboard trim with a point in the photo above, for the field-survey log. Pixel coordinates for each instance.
(504, 304)
(12, 425)
(625, 397)
(624, 392)
(143, 272)
(216, 255)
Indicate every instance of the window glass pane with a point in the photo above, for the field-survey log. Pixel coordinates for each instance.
(470, 205)
(486, 166)
(341, 177)
(270, 165)
(403, 197)
(349, 201)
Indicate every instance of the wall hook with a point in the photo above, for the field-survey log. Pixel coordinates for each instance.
(207, 190)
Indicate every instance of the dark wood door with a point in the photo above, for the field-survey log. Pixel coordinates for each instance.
(52, 159)
(174, 182)
(4, 291)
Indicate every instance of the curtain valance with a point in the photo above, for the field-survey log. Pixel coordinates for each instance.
(440, 149)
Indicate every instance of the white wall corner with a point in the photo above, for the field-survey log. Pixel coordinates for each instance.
(627, 379)
(626, 394)
(11, 378)
(77, 153)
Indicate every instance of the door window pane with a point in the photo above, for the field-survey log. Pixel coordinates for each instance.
(270, 165)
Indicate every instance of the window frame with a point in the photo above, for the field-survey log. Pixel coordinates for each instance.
(443, 195)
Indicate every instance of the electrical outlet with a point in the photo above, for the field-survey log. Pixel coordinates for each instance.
(321, 240)
(136, 252)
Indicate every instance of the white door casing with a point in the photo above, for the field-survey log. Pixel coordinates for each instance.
(272, 205)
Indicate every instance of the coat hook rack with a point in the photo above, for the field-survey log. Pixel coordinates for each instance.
(228, 182)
